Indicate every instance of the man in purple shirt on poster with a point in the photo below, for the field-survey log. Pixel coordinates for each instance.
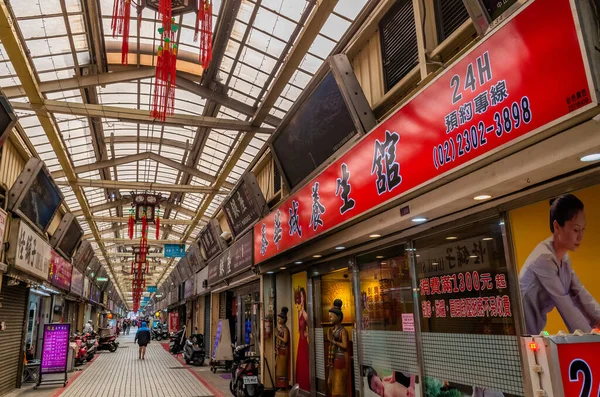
(547, 279)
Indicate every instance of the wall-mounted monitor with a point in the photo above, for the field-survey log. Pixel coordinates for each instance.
(330, 112)
(8, 119)
(67, 236)
(83, 256)
(34, 196)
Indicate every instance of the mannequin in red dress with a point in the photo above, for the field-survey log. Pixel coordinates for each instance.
(302, 360)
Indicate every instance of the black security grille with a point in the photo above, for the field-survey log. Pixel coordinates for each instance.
(450, 14)
(398, 42)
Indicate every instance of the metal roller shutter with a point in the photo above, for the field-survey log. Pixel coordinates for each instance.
(450, 14)
(399, 49)
(12, 313)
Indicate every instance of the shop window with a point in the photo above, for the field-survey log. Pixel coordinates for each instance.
(530, 227)
(388, 344)
(450, 14)
(399, 48)
(467, 312)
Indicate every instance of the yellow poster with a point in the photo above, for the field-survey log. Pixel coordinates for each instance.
(300, 332)
(531, 226)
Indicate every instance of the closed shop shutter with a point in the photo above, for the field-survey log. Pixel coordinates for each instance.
(207, 322)
(12, 313)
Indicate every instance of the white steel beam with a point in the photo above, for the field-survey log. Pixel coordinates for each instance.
(131, 185)
(139, 116)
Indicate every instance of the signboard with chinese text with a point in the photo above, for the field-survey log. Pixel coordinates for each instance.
(28, 251)
(55, 349)
(232, 261)
(60, 271)
(77, 282)
(463, 287)
(194, 257)
(3, 220)
(152, 288)
(486, 101)
(245, 205)
(210, 238)
(174, 250)
(173, 322)
(189, 288)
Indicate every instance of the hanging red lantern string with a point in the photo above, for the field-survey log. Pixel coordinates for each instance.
(120, 23)
(204, 31)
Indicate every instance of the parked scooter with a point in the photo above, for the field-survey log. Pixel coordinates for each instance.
(108, 342)
(81, 351)
(176, 341)
(91, 345)
(244, 373)
(193, 351)
(158, 332)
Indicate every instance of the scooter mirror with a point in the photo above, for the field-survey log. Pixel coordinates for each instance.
(295, 390)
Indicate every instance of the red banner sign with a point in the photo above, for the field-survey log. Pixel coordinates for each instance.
(580, 368)
(60, 272)
(173, 322)
(505, 89)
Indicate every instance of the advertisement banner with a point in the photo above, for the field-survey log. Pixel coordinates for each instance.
(55, 349)
(60, 272)
(174, 250)
(77, 282)
(232, 261)
(28, 251)
(300, 332)
(493, 97)
(173, 322)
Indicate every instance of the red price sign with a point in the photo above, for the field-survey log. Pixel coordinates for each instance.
(580, 368)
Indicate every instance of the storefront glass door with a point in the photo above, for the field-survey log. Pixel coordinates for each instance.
(334, 330)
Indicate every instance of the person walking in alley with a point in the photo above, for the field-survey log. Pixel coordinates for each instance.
(142, 337)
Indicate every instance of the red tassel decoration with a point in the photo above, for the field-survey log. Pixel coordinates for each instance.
(120, 23)
(164, 84)
(165, 11)
(144, 226)
(131, 224)
(157, 224)
(204, 31)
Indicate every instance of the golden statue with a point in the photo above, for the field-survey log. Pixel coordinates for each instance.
(282, 350)
(337, 381)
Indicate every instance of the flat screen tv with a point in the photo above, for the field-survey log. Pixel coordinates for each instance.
(34, 196)
(8, 119)
(67, 236)
(83, 256)
(330, 112)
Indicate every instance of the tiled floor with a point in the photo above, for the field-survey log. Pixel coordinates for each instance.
(122, 374)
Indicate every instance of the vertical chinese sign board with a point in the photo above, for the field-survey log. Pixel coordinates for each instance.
(245, 205)
(55, 351)
(210, 239)
(499, 93)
